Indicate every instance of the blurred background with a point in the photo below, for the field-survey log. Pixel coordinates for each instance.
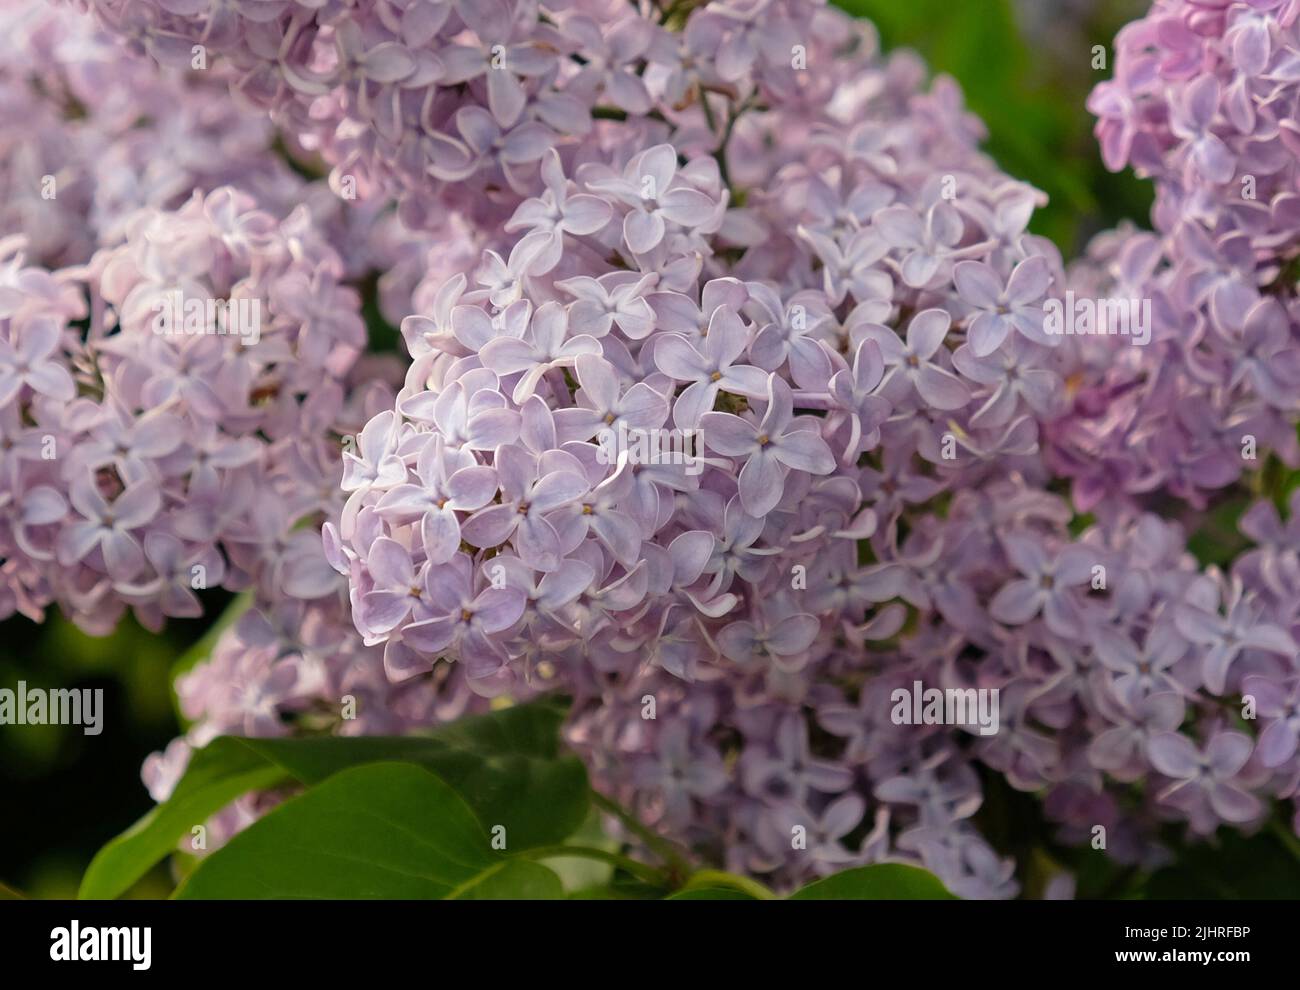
(1026, 67)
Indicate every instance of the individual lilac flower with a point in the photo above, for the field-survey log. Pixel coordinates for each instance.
(1000, 308)
(590, 614)
(447, 485)
(852, 269)
(709, 372)
(755, 35)
(734, 552)
(1121, 749)
(1275, 561)
(421, 333)
(502, 55)
(1013, 382)
(783, 643)
(610, 60)
(470, 414)
(1251, 37)
(131, 445)
(910, 363)
(39, 506)
(1224, 637)
(1279, 703)
(25, 359)
(180, 571)
(465, 622)
(526, 500)
(109, 526)
(503, 278)
(1047, 584)
(548, 218)
(255, 684)
(1141, 671)
(1114, 103)
(613, 300)
(1192, 119)
(930, 242)
(657, 197)
(1206, 775)
(929, 580)
(823, 832)
(387, 62)
(421, 20)
(676, 312)
(598, 512)
(790, 769)
(375, 463)
(680, 772)
(896, 484)
(686, 557)
(550, 596)
(941, 794)
(773, 447)
(603, 406)
(472, 329)
(483, 142)
(853, 391)
(963, 861)
(209, 451)
(787, 332)
(398, 588)
(1267, 356)
(548, 345)
(836, 586)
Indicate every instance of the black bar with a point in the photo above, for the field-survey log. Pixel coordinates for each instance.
(563, 940)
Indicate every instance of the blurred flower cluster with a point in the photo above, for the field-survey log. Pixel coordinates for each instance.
(734, 407)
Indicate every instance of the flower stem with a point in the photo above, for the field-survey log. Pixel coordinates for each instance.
(675, 858)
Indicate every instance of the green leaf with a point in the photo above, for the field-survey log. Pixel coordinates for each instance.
(532, 729)
(541, 801)
(220, 772)
(882, 882)
(580, 872)
(515, 880)
(386, 830)
(721, 880)
(506, 765)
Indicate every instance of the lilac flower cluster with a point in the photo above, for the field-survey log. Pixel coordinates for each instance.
(495, 518)
(806, 338)
(229, 458)
(733, 410)
(1204, 100)
(450, 105)
(142, 466)
(90, 135)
